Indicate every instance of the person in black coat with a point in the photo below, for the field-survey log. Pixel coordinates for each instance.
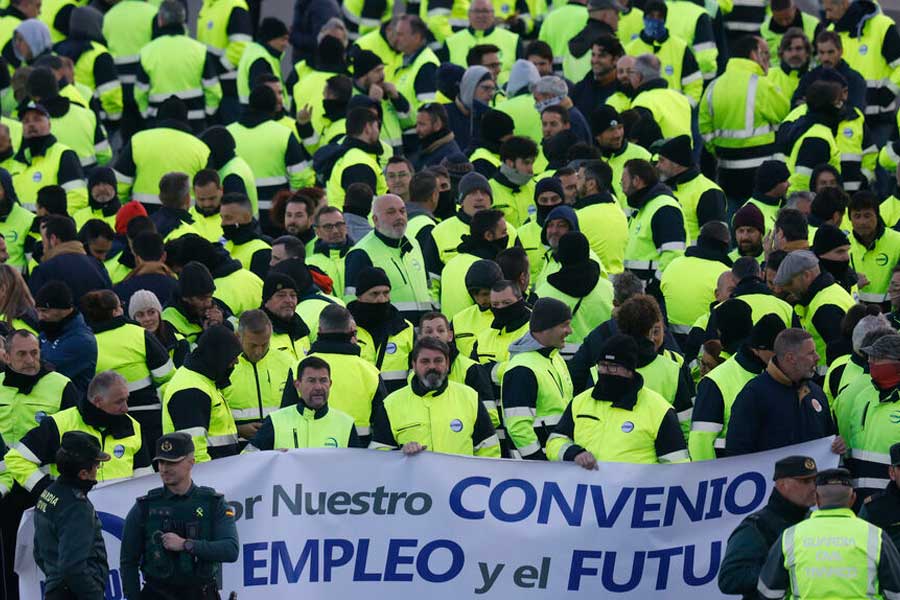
(782, 406)
(65, 260)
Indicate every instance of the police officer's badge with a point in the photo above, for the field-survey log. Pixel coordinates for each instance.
(199, 511)
(809, 464)
(166, 446)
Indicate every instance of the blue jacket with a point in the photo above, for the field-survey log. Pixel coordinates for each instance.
(72, 350)
(161, 285)
(771, 412)
(80, 272)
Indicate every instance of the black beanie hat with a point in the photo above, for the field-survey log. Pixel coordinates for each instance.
(828, 237)
(548, 313)
(573, 249)
(195, 280)
(101, 175)
(53, 198)
(604, 117)
(365, 61)
(369, 278)
(768, 175)
(678, 150)
(262, 99)
(549, 184)
(763, 334)
(483, 274)
(496, 124)
(54, 294)
(275, 282)
(271, 28)
(620, 349)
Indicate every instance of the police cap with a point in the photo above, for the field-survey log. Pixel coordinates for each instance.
(173, 447)
(834, 477)
(797, 467)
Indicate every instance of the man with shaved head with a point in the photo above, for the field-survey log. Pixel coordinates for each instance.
(387, 247)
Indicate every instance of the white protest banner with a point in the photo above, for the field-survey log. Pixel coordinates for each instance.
(326, 524)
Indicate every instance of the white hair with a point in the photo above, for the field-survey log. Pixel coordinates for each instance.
(551, 85)
(647, 66)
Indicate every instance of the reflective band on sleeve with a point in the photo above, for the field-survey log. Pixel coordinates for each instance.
(363, 430)
(530, 449)
(26, 453)
(674, 456)
(518, 411)
(706, 426)
(162, 370)
(488, 442)
(222, 440)
(140, 384)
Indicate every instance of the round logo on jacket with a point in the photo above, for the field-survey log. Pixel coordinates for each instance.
(209, 24)
(863, 49)
(627, 426)
(848, 132)
(391, 348)
(816, 406)
(670, 70)
(331, 443)
(456, 425)
(881, 259)
(37, 177)
(119, 451)
(39, 416)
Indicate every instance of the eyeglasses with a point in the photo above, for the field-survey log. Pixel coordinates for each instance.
(332, 226)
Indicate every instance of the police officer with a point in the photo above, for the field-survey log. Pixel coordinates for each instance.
(311, 423)
(68, 539)
(434, 413)
(384, 337)
(881, 509)
(748, 545)
(178, 535)
(103, 414)
(258, 379)
(850, 559)
(193, 400)
(619, 420)
(536, 385)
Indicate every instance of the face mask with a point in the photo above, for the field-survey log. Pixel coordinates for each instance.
(500, 244)
(885, 376)
(52, 328)
(224, 378)
(613, 387)
(232, 232)
(371, 313)
(515, 176)
(837, 268)
(335, 110)
(540, 106)
(508, 314)
(654, 28)
(542, 212)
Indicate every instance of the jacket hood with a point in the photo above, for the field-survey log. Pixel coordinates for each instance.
(709, 249)
(9, 193)
(577, 280)
(86, 23)
(470, 80)
(854, 20)
(36, 35)
(563, 211)
(521, 77)
(526, 343)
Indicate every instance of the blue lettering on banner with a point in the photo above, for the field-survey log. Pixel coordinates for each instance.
(321, 559)
(584, 566)
(516, 500)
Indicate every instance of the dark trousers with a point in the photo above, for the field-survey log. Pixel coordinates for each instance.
(157, 591)
(11, 508)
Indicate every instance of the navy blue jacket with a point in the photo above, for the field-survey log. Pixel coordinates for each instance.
(72, 350)
(82, 273)
(770, 412)
(162, 286)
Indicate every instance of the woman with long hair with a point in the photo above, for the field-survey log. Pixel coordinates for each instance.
(16, 303)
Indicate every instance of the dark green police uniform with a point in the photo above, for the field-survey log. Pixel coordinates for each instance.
(200, 516)
(68, 540)
(749, 544)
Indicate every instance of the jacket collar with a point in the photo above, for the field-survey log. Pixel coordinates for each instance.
(119, 425)
(320, 247)
(334, 343)
(628, 400)
(303, 409)
(818, 284)
(785, 508)
(749, 361)
(601, 198)
(22, 382)
(295, 328)
(419, 390)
